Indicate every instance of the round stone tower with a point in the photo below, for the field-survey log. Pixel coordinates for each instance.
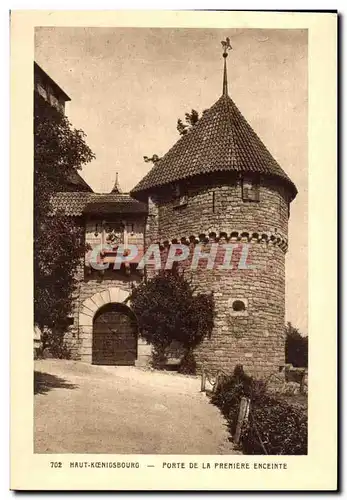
(219, 184)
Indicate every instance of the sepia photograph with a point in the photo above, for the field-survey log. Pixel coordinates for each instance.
(173, 175)
(170, 250)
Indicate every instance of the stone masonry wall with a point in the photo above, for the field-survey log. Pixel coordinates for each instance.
(221, 208)
(86, 288)
(91, 282)
(254, 337)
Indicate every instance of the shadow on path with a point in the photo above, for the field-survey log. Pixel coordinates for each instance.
(44, 382)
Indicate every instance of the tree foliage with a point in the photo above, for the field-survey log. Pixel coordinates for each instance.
(191, 119)
(58, 241)
(296, 347)
(168, 310)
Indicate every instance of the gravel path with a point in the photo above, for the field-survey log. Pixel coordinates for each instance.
(81, 408)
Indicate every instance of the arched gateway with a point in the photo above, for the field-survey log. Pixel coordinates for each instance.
(108, 329)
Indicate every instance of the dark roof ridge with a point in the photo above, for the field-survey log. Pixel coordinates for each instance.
(54, 84)
(74, 203)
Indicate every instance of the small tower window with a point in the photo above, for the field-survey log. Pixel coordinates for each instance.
(238, 306)
(250, 189)
(180, 196)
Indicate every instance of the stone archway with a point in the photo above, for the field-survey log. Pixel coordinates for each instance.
(86, 317)
(87, 312)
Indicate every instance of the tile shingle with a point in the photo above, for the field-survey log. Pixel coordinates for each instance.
(79, 203)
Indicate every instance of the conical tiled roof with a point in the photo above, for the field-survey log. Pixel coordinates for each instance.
(221, 141)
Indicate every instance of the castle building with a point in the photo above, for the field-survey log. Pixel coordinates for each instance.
(49, 90)
(108, 219)
(48, 94)
(217, 184)
(103, 329)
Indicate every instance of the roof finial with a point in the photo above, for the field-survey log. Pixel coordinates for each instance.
(116, 188)
(226, 46)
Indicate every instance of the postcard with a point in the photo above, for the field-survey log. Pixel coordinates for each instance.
(173, 180)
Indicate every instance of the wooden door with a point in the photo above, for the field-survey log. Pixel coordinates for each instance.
(114, 336)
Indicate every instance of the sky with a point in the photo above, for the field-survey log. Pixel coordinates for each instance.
(128, 87)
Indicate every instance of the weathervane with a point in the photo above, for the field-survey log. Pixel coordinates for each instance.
(226, 46)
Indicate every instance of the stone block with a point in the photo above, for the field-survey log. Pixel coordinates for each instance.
(98, 300)
(122, 295)
(143, 360)
(87, 343)
(86, 331)
(85, 320)
(144, 350)
(85, 351)
(86, 357)
(90, 304)
(105, 295)
(114, 295)
(86, 311)
(141, 341)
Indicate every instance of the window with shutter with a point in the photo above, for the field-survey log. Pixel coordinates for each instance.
(180, 197)
(250, 189)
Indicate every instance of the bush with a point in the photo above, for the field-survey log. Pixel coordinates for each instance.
(188, 364)
(282, 428)
(168, 310)
(159, 356)
(55, 344)
(275, 427)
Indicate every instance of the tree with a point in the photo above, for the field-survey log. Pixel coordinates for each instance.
(167, 309)
(296, 347)
(58, 241)
(191, 120)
